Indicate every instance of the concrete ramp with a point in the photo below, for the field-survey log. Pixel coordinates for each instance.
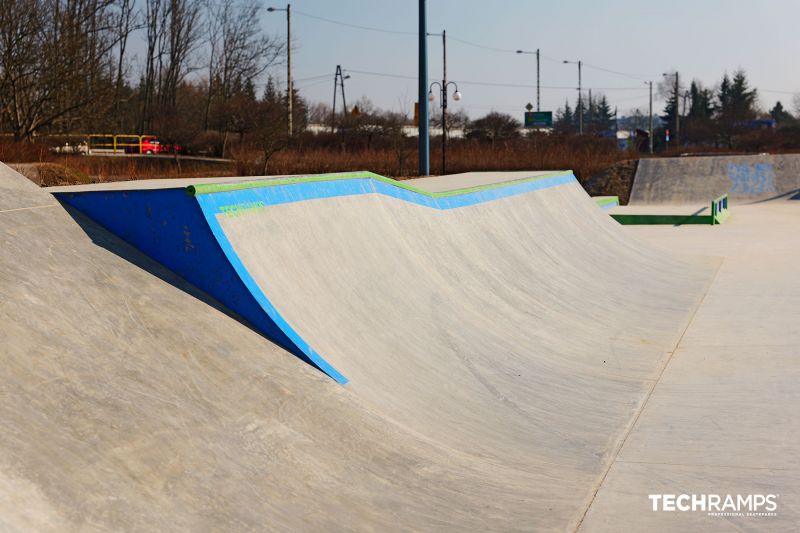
(696, 180)
(497, 343)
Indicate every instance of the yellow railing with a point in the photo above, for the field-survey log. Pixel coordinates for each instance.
(116, 143)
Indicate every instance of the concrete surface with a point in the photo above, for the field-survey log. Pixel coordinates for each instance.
(465, 180)
(698, 180)
(507, 360)
(722, 418)
(524, 331)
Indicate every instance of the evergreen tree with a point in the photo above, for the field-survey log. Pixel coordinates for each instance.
(603, 116)
(742, 98)
(271, 95)
(565, 119)
(723, 106)
(702, 106)
(780, 114)
(670, 109)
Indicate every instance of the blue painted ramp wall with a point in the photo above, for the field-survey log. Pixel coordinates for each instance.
(169, 226)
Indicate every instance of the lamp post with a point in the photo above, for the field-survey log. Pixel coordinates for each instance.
(677, 108)
(443, 103)
(536, 53)
(580, 98)
(289, 91)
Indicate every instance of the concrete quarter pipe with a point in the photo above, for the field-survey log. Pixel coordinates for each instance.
(497, 342)
(693, 180)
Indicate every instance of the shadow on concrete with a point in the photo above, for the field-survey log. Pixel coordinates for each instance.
(107, 240)
(791, 195)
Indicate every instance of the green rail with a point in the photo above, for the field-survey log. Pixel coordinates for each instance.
(719, 214)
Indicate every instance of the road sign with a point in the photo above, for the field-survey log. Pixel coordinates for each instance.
(529, 106)
(539, 119)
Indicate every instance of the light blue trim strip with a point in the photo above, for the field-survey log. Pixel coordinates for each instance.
(255, 290)
(212, 205)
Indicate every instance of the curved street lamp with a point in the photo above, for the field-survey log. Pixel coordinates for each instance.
(443, 105)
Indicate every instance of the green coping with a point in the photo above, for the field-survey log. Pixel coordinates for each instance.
(211, 188)
(605, 201)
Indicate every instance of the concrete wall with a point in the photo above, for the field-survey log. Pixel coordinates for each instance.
(697, 180)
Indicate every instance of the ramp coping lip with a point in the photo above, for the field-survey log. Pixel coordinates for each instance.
(211, 188)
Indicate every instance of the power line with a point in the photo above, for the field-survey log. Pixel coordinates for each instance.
(313, 77)
(318, 82)
(497, 84)
(778, 92)
(632, 76)
(381, 74)
(356, 26)
(481, 46)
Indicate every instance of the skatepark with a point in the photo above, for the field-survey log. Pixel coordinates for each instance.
(474, 352)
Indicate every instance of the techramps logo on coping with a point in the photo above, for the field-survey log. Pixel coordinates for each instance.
(719, 505)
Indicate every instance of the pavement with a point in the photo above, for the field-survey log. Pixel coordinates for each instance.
(721, 419)
(517, 363)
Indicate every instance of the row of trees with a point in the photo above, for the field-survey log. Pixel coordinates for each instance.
(598, 117)
(65, 65)
(716, 116)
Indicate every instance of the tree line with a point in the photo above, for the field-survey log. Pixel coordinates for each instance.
(66, 65)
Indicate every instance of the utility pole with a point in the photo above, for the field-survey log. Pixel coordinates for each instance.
(580, 101)
(338, 81)
(580, 92)
(422, 93)
(290, 90)
(677, 112)
(650, 121)
(538, 87)
(289, 87)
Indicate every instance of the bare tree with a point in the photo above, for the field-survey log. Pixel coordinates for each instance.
(126, 23)
(54, 62)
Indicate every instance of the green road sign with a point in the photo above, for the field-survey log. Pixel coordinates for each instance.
(539, 119)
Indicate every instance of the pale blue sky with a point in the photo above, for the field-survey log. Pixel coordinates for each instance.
(700, 38)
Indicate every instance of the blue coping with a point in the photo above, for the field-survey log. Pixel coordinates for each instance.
(173, 228)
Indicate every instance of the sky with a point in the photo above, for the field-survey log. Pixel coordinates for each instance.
(637, 39)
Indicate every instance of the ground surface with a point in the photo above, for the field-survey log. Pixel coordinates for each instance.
(722, 418)
(507, 360)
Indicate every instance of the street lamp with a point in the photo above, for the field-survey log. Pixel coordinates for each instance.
(580, 97)
(536, 53)
(443, 105)
(289, 91)
(677, 108)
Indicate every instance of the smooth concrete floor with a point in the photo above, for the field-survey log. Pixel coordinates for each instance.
(723, 417)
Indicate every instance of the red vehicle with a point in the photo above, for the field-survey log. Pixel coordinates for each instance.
(152, 145)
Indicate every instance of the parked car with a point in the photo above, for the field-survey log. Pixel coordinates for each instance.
(152, 145)
(72, 148)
